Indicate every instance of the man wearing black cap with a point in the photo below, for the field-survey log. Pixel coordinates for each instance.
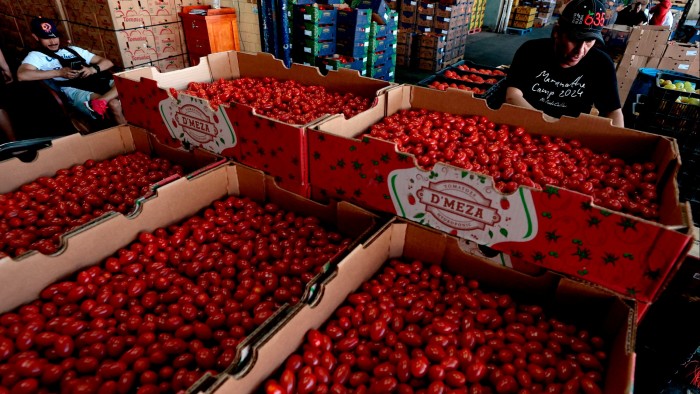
(565, 74)
(75, 72)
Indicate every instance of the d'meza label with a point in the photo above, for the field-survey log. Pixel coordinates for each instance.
(193, 121)
(464, 204)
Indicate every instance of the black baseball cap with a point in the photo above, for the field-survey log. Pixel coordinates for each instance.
(584, 19)
(44, 28)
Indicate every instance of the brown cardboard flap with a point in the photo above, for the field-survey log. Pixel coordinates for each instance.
(174, 79)
(223, 65)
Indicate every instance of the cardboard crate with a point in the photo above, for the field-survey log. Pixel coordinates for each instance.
(352, 34)
(317, 48)
(174, 203)
(524, 18)
(525, 10)
(616, 35)
(403, 50)
(681, 51)
(518, 24)
(235, 130)
(353, 49)
(408, 17)
(564, 299)
(438, 41)
(73, 150)
(403, 60)
(358, 18)
(405, 37)
(430, 65)
(382, 44)
(409, 5)
(648, 41)
(426, 9)
(320, 14)
(690, 68)
(449, 11)
(431, 53)
(453, 25)
(377, 30)
(311, 30)
(336, 62)
(398, 186)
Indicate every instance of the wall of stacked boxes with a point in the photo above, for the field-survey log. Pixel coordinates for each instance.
(362, 37)
(432, 36)
(130, 33)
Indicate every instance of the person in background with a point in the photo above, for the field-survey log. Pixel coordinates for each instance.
(77, 73)
(570, 76)
(632, 15)
(661, 15)
(5, 124)
(610, 12)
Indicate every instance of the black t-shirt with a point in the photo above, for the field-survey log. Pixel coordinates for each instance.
(559, 91)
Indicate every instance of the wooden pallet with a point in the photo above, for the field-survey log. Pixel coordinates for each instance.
(516, 31)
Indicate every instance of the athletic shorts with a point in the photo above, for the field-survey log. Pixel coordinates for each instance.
(77, 98)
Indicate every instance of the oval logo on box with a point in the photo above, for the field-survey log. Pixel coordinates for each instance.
(464, 204)
(195, 123)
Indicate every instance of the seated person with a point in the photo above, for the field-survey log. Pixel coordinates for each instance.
(632, 15)
(77, 73)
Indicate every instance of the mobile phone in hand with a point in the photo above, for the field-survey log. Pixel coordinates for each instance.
(76, 65)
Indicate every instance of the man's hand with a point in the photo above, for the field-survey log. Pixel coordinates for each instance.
(68, 73)
(87, 71)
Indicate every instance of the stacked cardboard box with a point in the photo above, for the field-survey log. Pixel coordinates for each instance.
(314, 32)
(545, 10)
(645, 48)
(681, 57)
(449, 20)
(352, 40)
(381, 62)
(431, 51)
(404, 44)
(478, 9)
(522, 17)
(130, 33)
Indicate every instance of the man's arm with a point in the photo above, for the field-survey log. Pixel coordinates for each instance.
(617, 118)
(102, 63)
(514, 96)
(27, 72)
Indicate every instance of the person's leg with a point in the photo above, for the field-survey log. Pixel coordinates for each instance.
(77, 98)
(115, 108)
(6, 126)
(109, 95)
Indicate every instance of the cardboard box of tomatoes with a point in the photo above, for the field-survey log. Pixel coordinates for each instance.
(53, 207)
(188, 245)
(551, 227)
(597, 314)
(235, 130)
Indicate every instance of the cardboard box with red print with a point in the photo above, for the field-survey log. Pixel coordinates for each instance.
(234, 130)
(603, 313)
(555, 228)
